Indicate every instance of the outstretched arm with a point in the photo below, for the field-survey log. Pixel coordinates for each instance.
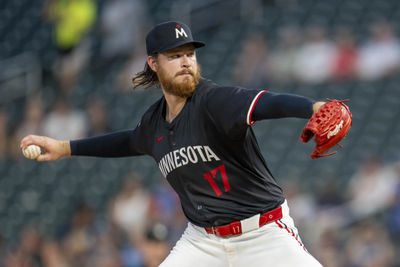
(117, 144)
(273, 106)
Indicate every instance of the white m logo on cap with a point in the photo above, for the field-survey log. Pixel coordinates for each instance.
(180, 33)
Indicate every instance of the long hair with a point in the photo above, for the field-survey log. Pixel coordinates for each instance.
(146, 78)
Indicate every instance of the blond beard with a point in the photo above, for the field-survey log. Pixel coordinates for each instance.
(181, 89)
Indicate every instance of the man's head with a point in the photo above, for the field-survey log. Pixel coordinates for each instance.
(171, 59)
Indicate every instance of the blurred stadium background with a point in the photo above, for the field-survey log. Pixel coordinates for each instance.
(66, 67)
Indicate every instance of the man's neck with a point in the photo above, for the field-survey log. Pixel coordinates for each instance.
(175, 105)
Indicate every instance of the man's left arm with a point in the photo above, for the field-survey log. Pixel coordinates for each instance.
(273, 106)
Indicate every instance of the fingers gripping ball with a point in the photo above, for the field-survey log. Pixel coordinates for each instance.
(330, 124)
(32, 152)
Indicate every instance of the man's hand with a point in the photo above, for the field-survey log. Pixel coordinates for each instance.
(317, 105)
(52, 149)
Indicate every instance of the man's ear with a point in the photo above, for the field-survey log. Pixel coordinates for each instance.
(152, 61)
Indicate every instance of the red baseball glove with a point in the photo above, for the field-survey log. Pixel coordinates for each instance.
(329, 124)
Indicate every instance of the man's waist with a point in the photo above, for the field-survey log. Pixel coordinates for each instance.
(246, 225)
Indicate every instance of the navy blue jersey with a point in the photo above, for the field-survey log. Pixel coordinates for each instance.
(210, 156)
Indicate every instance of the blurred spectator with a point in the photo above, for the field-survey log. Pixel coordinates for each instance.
(165, 202)
(97, 117)
(315, 58)
(155, 247)
(123, 26)
(303, 209)
(282, 59)
(3, 248)
(371, 188)
(328, 249)
(369, 246)
(73, 20)
(33, 117)
(130, 207)
(52, 255)
(134, 65)
(303, 205)
(105, 253)
(151, 250)
(344, 63)
(80, 237)
(329, 194)
(4, 139)
(32, 123)
(393, 212)
(27, 253)
(251, 65)
(65, 123)
(380, 55)
(132, 256)
(166, 208)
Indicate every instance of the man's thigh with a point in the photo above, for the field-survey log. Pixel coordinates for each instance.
(276, 244)
(196, 249)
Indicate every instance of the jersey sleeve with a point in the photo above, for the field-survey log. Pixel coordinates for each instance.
(274, 106)
(231, 108)
(118, 144)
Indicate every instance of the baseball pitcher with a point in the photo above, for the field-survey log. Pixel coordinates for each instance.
(200, 135)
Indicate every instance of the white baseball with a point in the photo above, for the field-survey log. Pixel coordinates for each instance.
(31, 152)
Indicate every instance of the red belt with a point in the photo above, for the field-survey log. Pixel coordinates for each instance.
(235, 228)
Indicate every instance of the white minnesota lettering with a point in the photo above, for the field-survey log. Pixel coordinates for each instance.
(170, 161)
(198, 148)
(181, 157)
(191, 154)
(210, 154)
(185, 160)
(176, 157)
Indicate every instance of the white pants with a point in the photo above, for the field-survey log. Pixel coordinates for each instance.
(275, 244)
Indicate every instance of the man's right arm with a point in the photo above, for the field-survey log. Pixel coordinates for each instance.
(118, 144)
